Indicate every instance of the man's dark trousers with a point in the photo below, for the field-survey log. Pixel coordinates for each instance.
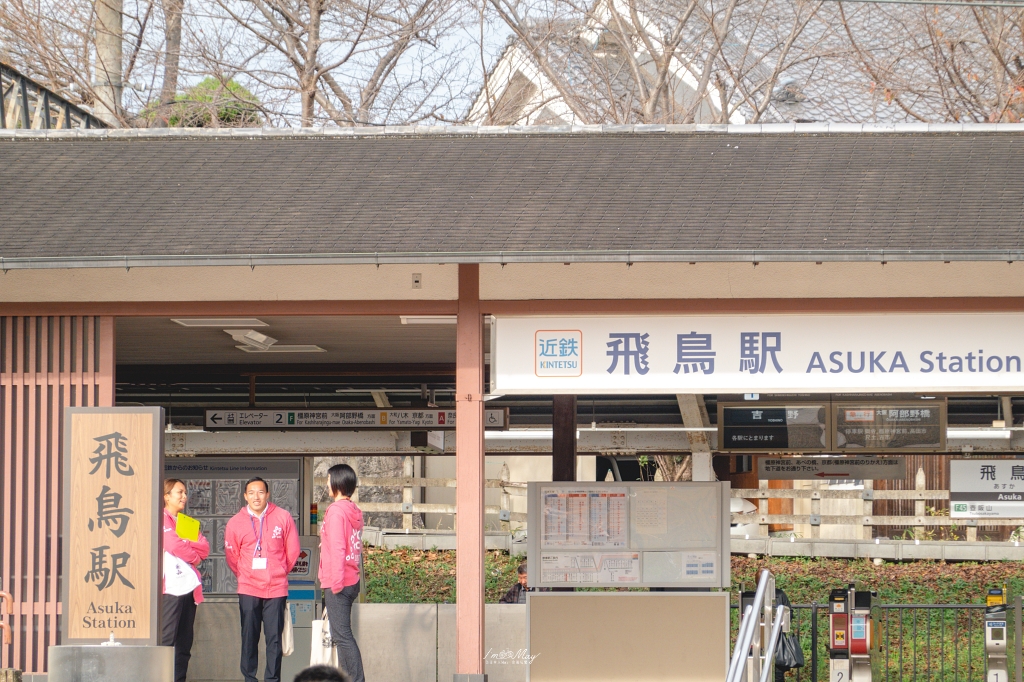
(269, 613)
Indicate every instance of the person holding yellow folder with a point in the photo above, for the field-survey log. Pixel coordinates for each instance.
(184, 548)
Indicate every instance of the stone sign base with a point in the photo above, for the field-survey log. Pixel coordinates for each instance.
(111, 664)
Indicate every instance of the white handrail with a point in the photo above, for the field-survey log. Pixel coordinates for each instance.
(769, 653)
(751, 619)
(744, 621)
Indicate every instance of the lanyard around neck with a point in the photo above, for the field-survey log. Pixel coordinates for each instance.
(259, 537)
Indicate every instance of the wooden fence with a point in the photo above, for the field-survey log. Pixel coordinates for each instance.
(924, 520)
(921, 523)
(407, 507)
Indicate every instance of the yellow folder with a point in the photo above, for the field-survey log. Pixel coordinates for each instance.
(187, 527)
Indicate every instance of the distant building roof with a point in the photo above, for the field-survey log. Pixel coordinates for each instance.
(821, 78)
(707, 193)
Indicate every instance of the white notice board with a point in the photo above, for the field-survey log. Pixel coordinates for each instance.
(638, 534)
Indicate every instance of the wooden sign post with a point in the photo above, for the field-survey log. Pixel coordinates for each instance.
(113, 466)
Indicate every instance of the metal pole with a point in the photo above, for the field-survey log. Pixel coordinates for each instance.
(814, 643)
(1017, 639)
(25, 122)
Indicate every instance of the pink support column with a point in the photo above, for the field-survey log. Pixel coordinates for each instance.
(469, 481)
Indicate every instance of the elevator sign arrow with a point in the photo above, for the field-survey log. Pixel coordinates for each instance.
(418, 419)
(841, 468)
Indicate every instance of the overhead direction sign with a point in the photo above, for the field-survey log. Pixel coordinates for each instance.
(986, 488)
(768, 427)
(832, 468)
(417, 419)
(890, 427)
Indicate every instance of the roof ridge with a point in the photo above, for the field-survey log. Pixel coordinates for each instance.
(482, 131)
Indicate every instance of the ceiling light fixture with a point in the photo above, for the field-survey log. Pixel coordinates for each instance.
(253, 341)
(429, 319)
(219, 322)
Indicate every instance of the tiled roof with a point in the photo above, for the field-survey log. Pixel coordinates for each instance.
(822, 76)
(128, 198)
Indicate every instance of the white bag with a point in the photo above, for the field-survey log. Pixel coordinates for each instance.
(179, 578)
(288, 635)
(322, 651)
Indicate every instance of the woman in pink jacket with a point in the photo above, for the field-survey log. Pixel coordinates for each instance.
(341, 545)
(183, 588)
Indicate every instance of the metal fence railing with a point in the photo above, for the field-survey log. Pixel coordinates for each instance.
(920, 642)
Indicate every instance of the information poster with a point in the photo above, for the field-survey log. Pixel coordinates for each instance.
(585, 518)
(591, 568)
(215, 493)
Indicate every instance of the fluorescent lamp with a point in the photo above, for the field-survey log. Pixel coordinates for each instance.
(642, 429)
(251, 337)
(981, 434)
(429, 319)
(221, 322)
(296, 348)
(254, 342)
(520, 434)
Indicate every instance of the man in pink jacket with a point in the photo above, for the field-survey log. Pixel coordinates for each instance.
(261, 545)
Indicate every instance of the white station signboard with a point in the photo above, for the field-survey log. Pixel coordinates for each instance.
(986, 488)
(849, 353)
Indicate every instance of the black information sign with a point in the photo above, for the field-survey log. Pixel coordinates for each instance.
(892, 427)
(773, 428)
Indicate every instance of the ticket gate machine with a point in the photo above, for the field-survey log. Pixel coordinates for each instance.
(995, 636)
(854, 637)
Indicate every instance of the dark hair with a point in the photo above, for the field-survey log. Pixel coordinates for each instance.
(169, 484)
(321, 673)
(266, 487)
(522, 569)
(343, 479)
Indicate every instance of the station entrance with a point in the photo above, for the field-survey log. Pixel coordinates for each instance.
(263, 395)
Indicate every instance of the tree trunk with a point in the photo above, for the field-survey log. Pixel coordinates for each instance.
(172, 56)
(309, 77)
(109, 61)
(675, 467)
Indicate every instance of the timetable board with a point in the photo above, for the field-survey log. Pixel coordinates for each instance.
(637, 534)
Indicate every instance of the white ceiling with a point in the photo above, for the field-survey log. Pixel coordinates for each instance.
(347, 339)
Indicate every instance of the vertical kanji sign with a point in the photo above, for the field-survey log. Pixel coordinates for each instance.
(112, 568)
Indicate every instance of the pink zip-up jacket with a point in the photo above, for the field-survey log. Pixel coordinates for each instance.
(190, 552)
(280, 549)
(341, 543)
